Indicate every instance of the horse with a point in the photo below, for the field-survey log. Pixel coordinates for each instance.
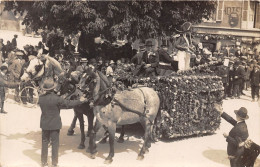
(113, 108)
(68, 90)
(41, 68)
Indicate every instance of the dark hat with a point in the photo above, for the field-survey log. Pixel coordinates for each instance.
(164, 43)
(48, 84)
(149, 43)
(45, 51)
(92, 61)
(15, 35)
(185, 27)
(2, 68)
(242, 113)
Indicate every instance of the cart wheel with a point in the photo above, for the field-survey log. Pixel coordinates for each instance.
(29, 97)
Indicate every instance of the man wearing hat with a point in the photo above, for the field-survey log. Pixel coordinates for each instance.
(166, 65)
(3, 84)
(50, 122)
(255, 80)
(69, 47)
(137, 59)
(150, 60)
(15, 70)
(83, 65)
(237, 135)
(238, 74)
(14, 42)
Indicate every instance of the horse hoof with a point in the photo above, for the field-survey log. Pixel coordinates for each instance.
(70, 133)
(108, 161)
(93, 156)
(140, 157)
(120, 140)
(103, 141)
(88, 150)
(81, 146)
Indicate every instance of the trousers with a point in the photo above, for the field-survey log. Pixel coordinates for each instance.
(47, 137)
(255, 91)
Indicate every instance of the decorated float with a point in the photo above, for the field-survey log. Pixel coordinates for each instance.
(187, 99)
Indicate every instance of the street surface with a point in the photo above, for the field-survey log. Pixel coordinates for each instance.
(20, 138)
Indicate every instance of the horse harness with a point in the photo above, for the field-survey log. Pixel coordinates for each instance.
(114, 101)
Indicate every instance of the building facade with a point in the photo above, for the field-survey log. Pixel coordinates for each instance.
(235, 20)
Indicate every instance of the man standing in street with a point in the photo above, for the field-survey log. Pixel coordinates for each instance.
(254, 80)
(237, 136)
(14, 42)
(237, 79)
(50, 105)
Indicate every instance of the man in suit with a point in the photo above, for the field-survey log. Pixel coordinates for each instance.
(150, 60)
(14, 42)
(223, 72)
(238, 74)
(255, 79)
(3, 84)
(50, 123)
(3, 72)
(237, 135)
(137, 60)
(166, 65)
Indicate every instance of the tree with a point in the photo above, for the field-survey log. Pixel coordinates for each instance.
(112, 19)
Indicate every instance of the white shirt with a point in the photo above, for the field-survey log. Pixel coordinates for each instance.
(109, 71)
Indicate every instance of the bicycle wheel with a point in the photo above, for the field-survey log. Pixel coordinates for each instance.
(29, 96)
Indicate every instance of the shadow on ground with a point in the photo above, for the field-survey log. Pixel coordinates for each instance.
(70, 143)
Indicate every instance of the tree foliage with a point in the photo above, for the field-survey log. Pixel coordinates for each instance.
(138, 19)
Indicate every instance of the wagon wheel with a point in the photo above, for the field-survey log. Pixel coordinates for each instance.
(29, 96)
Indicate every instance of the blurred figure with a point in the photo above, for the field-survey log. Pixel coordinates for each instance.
(254, 80)
(14, 42)
(237, 77)
(3, 71)
(109, 70)
(15, 70)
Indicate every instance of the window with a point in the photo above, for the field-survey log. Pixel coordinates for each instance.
(220, 10)
(245, 10)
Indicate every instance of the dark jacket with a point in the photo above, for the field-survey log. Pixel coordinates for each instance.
(238, 75)
(237, 134)
(50, 105)
(164, 57)
(255, 78)
(14, 43)
(152, 59)
(223, 72)
(2, 88)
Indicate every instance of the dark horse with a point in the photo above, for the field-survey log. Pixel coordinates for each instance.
(68, 90)
(121, 108)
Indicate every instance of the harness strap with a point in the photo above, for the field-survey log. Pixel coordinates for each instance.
(134, 111)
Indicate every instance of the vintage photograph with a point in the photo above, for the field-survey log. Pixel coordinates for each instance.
(143, 83)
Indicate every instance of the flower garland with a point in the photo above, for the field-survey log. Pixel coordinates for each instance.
(186, 100)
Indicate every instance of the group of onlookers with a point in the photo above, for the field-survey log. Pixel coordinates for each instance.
(240, 72)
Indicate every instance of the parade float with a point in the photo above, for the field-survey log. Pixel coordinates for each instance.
(187, 99)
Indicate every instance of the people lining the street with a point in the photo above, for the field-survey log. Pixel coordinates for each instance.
(255, 80)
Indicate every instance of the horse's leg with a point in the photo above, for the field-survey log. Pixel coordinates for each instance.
(82, 131)
(73, 124)
(112, 131)
(106, 135)
(147, 127)
(121, 138)
(90, 116)
(92, 140)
